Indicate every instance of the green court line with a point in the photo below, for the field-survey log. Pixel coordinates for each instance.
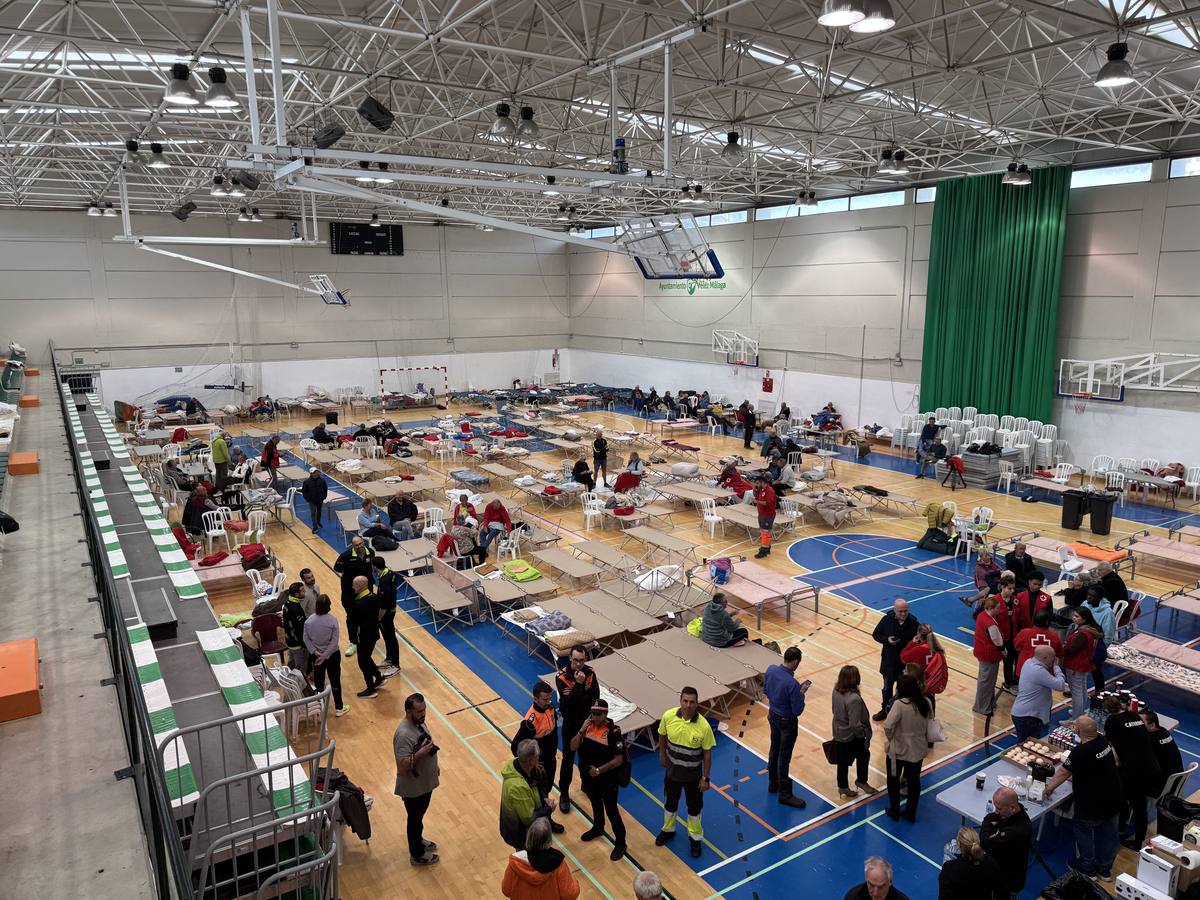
(911, 849)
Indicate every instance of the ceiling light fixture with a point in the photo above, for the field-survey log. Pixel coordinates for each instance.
(698, 197)
(109, 212)
(527, 128)
(218, 187)
(733, 152)
(255, 215)
(899, 162)
(488, 228)
(220, 95)
(235, 187)
(1024, 176)
(243, 216)
(383, 177)
(879, 17)
(841, 13)
(503, 125)
(157, 160)
(807, 198)
(1117, 72)
(93, 209)
(249, 181)
(180, 91)
(550, 190)
(1010, 174)
(365, 175)
(131, 159)
(375, 223)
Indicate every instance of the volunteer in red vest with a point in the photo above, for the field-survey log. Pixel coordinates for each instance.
(764, 501)
(270, 458)
(1003, 616)
(495, 523)
(1032, 601)
(989, 650)
(1039, 634)
(541, 725)
(601, 749)
(1078, 659)
(926, 652)
(731, 479)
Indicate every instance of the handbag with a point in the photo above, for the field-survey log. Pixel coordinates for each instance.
(935, 733)
(829, 748)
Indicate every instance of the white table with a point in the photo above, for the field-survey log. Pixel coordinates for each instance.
(971, 804)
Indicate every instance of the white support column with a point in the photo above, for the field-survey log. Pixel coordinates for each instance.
(251, 86)
(123, 199)
(666, 116)
(276, 71)
(613, 121)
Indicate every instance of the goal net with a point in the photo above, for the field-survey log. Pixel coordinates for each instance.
(413, 386)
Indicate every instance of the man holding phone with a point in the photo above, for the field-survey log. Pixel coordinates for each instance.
(417, 774)
(786, 697)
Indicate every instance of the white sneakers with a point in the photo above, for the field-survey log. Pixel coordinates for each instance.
(341, 712)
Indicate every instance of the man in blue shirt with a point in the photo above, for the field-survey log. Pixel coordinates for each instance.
(786, 697)
(1040, 678)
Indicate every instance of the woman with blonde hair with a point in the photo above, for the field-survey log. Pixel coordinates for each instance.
(851, 732)
(971, 874)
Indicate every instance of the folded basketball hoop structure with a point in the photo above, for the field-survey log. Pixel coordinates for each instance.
(739, 349)
(331, 296)
(671, 246)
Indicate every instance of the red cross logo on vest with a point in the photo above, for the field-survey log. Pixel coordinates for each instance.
(1040, 640)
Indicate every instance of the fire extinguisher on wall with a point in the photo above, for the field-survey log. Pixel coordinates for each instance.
(554, 361)
(768, 383)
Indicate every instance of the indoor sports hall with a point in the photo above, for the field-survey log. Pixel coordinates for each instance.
(601, 450)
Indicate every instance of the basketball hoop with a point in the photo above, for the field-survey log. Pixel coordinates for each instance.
(1079, 400)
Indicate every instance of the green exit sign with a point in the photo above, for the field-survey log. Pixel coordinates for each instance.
(79, 360)
(179, 369)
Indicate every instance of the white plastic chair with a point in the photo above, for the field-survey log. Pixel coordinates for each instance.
(713, 426)
(1008, 476)
(592, 509)
(279, 582)
(214, 526)
(1021, 423)
(256, 582)
(708, 510)
(1192, 480)
(1174, 785)
(447, 450)
(1150, 463)
(950, 505)
(1068, 560)
(1115, 481)
(1035, 426)
(1008, 423)
(170, 451)
(256, 532)
(1101, 466)
(1063, 473)
(435, 522)
(363, 445)
(288, 502)
(1126, 464)
(969, 413)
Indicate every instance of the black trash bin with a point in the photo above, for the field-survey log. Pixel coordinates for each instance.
(1074, 505)
(331, 418)
(1100, 507)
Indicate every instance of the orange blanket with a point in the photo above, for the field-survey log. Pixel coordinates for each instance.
(1102, 554)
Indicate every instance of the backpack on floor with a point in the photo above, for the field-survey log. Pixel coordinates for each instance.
(384, 543)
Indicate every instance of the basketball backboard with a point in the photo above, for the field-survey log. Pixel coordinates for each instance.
(670, 246)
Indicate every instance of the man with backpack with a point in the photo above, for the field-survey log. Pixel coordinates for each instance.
(605, 769)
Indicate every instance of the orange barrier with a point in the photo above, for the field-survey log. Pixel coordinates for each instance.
(27, 401)
(23, 463)
(30, 372)
(20, 684)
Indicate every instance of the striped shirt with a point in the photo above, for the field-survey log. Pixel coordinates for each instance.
(686, 743)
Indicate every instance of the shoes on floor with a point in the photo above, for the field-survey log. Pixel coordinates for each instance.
(879, 716)
(591, 834)
(427, 860)
(772, 787)
(564, 803)
(894, 816)
(315, 531)
(368, 694)
(866, 788)
(389, 671)
(762, 551)
(918, 476)
(697, 849)
(848, 793)
(351, 650)
(556, 828)
(617, 852)
(663, 837)
(1131, 844)
(342, 711)
(429, 845)
(793, 802)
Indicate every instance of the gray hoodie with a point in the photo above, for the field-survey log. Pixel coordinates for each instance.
(718, 625)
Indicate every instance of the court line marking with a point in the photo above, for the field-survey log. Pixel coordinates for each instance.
(909, 847)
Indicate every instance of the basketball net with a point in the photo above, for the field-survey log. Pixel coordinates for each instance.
(1079, 400)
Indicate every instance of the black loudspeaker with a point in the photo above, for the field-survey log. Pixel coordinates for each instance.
(184, 211)
(249, 180)
(328, 135)
(376, 114)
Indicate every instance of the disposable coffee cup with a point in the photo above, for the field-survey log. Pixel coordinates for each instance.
(980, 780)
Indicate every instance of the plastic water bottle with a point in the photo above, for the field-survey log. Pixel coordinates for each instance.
(989, 808)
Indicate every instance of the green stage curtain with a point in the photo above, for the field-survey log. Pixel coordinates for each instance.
(991, 314)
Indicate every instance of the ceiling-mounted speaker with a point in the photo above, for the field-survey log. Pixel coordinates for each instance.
(249, 180)
(184, 211)
(328, 135)
(376, 114)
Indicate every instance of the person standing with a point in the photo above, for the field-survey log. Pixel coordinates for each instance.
(353, 562)
(1039, 634)
(293, 628)
(539, 872)
(786, 698)
(387, 584)
(765, 503)
(1020, 563)
(270, 459)
(1092, 768)
(520, 799)
(1007, 835)
(1137, 764)
(311, 591)
(851, 732)
(578, 690)
(893, 631)
(600, 457)
(601, 749)
(972, 874)
(989, 651)
(314, 490)
(877, 882)
(1166, 751)
(366, 618)
(685, 744)
(926, 653)
(1078, 653)
(1031, 602)
(541, 725)
(1035, 693)
(322, 639)
(221, 460)
(1004, 615)
(417, 776)
(907, 730)
(748, 423)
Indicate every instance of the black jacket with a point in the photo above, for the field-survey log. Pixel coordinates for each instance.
(1114, 588)
(389, 584)
(348, 567)
(1020, 568)
(889, 658)
(399, 510)
(962, 879)
(1007, 841)
(352, 802)
(314, 490)
(575, 700)
(860, 892)
(293, 622)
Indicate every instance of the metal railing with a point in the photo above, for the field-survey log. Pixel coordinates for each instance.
(172, 877)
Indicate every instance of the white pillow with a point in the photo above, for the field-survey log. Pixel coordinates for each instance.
(685, 469)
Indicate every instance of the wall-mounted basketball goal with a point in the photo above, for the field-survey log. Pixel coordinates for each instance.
(737, 348)
(669, 247)
(1106, 380)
